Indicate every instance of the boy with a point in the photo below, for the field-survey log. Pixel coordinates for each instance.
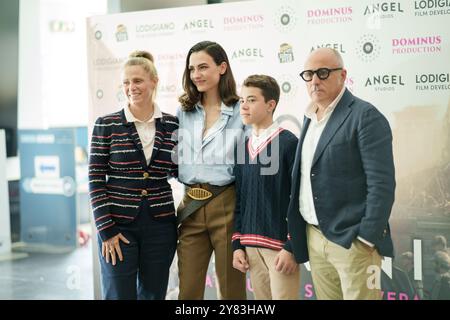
(263, 182)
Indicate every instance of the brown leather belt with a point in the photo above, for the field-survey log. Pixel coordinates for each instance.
(198, 195)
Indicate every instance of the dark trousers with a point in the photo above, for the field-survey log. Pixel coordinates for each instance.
(144, 272)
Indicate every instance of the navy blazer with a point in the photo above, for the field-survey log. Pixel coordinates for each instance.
(352, 179)
(119, 177)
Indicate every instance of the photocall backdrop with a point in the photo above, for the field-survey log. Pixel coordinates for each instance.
(397, 56)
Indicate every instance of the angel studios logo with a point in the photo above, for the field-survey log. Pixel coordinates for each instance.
(285, 19)
(385, 82)
(368, 48)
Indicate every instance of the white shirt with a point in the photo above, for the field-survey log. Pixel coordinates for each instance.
(310, 142)
(309, 147)
(145, 129)
(257, 141)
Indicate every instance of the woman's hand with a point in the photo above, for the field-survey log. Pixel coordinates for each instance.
(240, 261)
(111, 247)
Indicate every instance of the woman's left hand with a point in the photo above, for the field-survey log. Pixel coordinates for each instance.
(112, 246)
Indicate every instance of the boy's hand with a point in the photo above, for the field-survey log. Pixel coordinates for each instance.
(285, 262)
(240, 261)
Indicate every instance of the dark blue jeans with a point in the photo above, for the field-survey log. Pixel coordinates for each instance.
(144, 272)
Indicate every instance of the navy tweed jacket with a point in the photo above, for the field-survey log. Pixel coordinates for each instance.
(119, 177)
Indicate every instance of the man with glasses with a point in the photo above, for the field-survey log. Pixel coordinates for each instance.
(343, 185)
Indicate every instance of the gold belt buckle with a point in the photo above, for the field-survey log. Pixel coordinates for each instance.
(199, 194)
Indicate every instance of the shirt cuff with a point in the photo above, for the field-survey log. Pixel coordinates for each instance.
(370, 244)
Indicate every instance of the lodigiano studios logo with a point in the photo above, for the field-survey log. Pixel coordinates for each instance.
(432, 81)
(147, 30)
(285, 19)
(368, 48)
(121, 33)
(423, 8)
(109, 62)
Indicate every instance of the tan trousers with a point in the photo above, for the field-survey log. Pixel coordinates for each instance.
(206, 230)
(267, 283)
(340, 273)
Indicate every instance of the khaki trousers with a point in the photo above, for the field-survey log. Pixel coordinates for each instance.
(267, 283)
(206, 230)
(340, 273)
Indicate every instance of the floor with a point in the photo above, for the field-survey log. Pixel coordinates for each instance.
(47, 276)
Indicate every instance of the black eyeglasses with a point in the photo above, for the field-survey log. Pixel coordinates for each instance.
(322, 73)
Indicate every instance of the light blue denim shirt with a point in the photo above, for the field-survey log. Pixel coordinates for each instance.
(208, 159)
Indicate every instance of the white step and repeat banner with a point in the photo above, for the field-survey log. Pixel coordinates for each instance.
(397, 56)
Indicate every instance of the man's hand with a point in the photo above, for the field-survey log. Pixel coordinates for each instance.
(285, 262)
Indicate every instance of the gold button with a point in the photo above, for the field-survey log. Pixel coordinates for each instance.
(146, 175)
(144, 192)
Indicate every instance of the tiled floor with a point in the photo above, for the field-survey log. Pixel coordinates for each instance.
(55, 276)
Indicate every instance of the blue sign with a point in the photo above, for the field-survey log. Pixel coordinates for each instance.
(48, 187)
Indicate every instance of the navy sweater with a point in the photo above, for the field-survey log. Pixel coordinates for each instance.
(263, 184)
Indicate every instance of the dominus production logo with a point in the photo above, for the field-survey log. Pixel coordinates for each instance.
(417, 45)
(368, 48)
(244, 22)
(320, 16)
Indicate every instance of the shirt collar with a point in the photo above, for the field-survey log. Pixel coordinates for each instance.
(131, 118)
(266, 132)
(224, 109)
(312, 108)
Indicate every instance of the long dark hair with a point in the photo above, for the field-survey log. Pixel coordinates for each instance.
(227, 84)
